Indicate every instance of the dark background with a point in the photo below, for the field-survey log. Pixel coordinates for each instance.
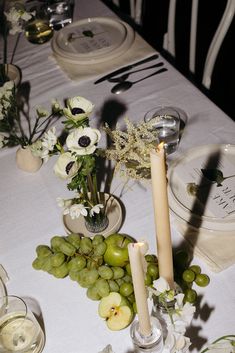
(154, 25)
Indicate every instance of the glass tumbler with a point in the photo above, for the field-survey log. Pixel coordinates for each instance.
(166, 121)
(20, 332)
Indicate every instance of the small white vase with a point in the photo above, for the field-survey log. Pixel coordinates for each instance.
(26, 161)
(13, 73)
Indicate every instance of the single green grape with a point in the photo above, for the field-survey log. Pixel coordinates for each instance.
(195, 268)
(120, 281)
(77, 263)
(134, 307)
(102, 286)
(57, 259)
(148, 280)
(92, 293)
(126, 289)
(100, 249)
(114, 287)
(98, 238)
(151, 258)
(87, 277)
(67, 248)
(85, 245)
(60, 271)
(43, 251)
(47, 266)
(131, 298)
(202, 280)
(74, 274)
(74, 239)
(38, 263)
(152, 270)
(118, 272)
(105, 272)
(188, 276)
(190, 296)
(56, 241)
(128, 269)
(127, 278)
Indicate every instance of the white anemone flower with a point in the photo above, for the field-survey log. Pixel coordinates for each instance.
(78, 108)
(83, 141)
(66, 166)
(96, 209)
(76, 210)
(49, 139)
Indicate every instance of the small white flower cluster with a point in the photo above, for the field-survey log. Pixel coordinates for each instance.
(6, 92)
(177, 320)
(78, 209)
(16, 18)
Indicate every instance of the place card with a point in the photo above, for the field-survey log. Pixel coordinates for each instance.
(88, 38)
(217, 199)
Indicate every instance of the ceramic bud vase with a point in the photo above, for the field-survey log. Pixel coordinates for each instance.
(13, 73)
(26, 161)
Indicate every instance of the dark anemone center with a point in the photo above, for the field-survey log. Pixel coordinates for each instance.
(84, 141)
(77, 111)
(68, 167)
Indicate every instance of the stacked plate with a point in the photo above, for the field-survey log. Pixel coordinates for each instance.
(92, 40)
(190, 209)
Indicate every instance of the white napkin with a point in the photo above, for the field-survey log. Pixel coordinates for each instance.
(215, 249)
(80, 72)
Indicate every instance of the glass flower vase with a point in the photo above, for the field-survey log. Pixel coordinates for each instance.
(97, 223)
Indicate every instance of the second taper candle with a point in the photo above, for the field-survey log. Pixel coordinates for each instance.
(137, 273)
(161, 213)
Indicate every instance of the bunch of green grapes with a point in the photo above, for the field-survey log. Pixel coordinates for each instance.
(187, 274)
(81, 258)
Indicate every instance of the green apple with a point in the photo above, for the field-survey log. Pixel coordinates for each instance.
(116, 253)
(116, 310)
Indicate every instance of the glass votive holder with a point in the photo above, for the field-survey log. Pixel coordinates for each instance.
(166, 122)
(152, 343)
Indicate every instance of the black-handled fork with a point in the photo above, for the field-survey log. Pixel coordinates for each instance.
(125, 76)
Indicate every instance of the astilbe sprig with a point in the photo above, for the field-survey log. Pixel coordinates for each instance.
(130, 149)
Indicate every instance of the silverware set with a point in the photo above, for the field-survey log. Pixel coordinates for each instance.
(120, 79)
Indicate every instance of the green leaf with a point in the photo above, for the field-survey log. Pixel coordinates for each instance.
(214, 175)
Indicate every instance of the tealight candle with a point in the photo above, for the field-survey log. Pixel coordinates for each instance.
(161, 214)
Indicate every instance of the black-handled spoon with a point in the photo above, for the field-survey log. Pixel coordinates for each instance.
(125, 85)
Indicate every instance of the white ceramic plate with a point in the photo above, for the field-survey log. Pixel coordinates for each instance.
(114, 215)
(184, 206)
(92, 40)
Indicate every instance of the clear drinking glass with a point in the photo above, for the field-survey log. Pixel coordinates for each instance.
(166, 121)
(20, 332)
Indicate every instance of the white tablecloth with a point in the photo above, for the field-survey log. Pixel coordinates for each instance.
(30, 216)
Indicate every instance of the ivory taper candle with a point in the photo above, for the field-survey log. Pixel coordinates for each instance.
(137, 273)
(161, 214)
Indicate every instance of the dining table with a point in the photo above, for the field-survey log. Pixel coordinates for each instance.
(30, 215)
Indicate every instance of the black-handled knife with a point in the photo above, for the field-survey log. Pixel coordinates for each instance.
(126, 68)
